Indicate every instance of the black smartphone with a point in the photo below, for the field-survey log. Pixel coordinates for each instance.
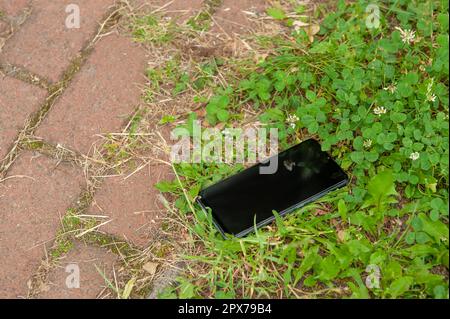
(303, 174)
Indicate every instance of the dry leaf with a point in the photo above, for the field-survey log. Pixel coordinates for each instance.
(341, 235)
(128, 288)
(150, 267)
(201, 112)
(311, 31)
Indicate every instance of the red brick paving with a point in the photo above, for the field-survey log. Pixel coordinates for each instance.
(38, 190)
(43, 45)
(13, 7)
(92, 283)
(31, 215)
(101, 96)
(17, 101)
(132, 204)
(4, 29)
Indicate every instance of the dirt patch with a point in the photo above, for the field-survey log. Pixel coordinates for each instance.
(179, 10)
(235, 17)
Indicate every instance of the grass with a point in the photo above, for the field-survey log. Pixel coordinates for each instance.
(378, 102)
(372, 100)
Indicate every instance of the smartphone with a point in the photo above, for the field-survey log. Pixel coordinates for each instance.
(247, 200)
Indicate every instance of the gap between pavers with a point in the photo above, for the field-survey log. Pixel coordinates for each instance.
(44, 45)
(33, 198)
(18, 100)
(100, 98)
(80, 274)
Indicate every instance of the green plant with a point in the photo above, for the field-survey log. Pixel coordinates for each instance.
(377, 99)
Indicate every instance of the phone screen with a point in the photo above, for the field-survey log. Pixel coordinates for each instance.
(304, 173)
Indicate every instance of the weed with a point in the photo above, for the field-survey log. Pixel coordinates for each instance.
(377, 99)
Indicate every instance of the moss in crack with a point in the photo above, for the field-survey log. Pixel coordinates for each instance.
(63, 246)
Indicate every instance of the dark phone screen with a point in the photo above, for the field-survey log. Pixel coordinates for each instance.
(304, 173)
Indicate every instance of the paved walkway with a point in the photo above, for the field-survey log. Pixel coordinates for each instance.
(62, 89)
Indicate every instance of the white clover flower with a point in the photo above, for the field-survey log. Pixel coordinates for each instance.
(379, 110)
(292, 120)
(367, 143)
(414, 156)
(391, 88)
(407, 35)
(431, 97)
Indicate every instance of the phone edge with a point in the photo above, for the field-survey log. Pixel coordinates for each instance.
(268, 220)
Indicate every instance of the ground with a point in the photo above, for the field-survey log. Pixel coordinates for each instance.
(68, 99)
(87, 188)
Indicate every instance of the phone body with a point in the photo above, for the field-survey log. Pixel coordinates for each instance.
(248, 199)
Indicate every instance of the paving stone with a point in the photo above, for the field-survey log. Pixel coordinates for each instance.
(4, 29)
(132, 204)
(17, 101)
(44, 45)
(84, 260)
(36, 193)
(13, 7)
(101, 96)
(231, 17)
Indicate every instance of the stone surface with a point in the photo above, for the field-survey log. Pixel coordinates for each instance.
(86, 259)
(4, 30)
(17, 101)
(13, 7)
(36, 193)
(231, 18)
(44, 45)
(132, 204)
(101, 96)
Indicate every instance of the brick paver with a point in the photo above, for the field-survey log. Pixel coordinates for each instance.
(13, 7)
(92, 263)
(32, 200)
(4, 28)
(17, 101)
(132, 204)
(101, 97)
(44, 45)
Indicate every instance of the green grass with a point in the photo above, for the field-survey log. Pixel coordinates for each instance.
(379, 105)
